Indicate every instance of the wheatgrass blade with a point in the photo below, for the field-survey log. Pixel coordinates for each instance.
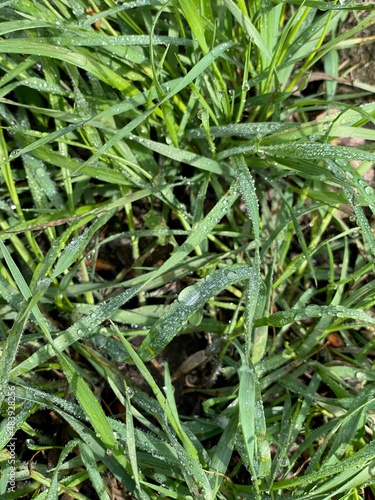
(26, 392)
(246, 186)
(87, 324)
(182, 156)
(100, 451)
(83, 215)
(316, 152)
(13, 340)
(81, 59)
(358, 461)
(166, 108)
(92, 39)
(89, 461)
(44, 189)
(246, 404)
(349, 480)
(93, 410)
(349, 425)
(91, 467)
(191, 10)
(20, 25)
(281, 459)
(49, 156)
(159, 396)
(7, 175)
(194, 73)
(188, 302)
(223, 453)
(47, 139)
(299, 233)
(248, 27)
(150, 445)
(261, 308)
(130, 440)
(255, 338)
(75, 248)
(77, 331)
(87, 400)
(314, 311)
(188, 455)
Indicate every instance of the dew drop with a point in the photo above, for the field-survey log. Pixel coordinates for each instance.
(232, 275)
(14, 153)
(189, 296)
(130, 392)
(284, 461)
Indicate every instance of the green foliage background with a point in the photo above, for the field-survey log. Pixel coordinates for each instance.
(170, 175)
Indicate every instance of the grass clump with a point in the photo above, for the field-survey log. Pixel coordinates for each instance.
(186, 272)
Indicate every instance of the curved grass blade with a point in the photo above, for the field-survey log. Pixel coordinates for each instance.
(14, 338)
(75, 249)
(193, 15)
(91, 39)
(190, 300)
(358, 461)
(313, 151)
(223, 453)
(101, 451)
(130, 441)
(84, 61)
(248, 27)
(196, 71)
(86, 398)
(350, 425)
(283, 318)
(182, 156)
(53, 490)
(104, 311)
(246, 186)
(253, 423)
(187, 454)
(49, 156)
(29, 393)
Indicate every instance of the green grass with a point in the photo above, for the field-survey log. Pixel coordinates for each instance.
(187, 251)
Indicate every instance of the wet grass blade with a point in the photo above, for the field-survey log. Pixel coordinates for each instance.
(194, 73)
(188, 302)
